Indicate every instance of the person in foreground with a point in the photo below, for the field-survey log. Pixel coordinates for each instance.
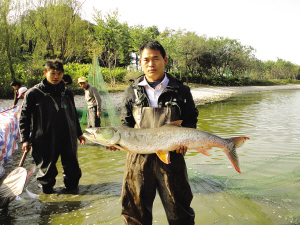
(153, 100)
(50, 107)
(93, 100)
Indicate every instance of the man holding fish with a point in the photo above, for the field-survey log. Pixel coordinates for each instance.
(153, 100)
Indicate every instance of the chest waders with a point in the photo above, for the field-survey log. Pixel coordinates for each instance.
(59, 139)
(146, 173)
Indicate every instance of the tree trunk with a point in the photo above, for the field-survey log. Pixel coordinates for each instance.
(186, 76)
(137, 61)
(8, 48)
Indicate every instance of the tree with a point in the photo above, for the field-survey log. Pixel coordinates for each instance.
(9, 34)
(57, 28)
(140, 35)
(189, 46)
(113, 37)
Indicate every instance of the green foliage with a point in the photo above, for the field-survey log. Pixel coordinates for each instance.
(76, 70)
(114, 38)
(56, 28)
(120, 74)
(31, 35)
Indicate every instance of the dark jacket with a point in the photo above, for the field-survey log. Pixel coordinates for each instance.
(175, 91)
(51, 110)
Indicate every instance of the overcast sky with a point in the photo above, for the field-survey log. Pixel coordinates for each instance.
(272, 27)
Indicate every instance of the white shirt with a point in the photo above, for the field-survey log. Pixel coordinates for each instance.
(153, 94)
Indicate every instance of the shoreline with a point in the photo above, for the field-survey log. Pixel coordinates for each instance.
(204, 95)
(201, 95)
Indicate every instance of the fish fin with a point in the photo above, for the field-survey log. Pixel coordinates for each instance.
(122, 148)
(164, 156)
(175, 123)
(203, 150)
(239, 141)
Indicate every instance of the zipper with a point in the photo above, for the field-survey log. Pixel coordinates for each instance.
(48, 94)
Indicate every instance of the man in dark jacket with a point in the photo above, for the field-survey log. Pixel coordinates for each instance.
(153, 100)
(50, 108)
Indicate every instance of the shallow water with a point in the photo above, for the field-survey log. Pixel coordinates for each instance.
(265, 193)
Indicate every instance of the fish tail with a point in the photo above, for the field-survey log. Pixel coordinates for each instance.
(231, 151)
(239, 141)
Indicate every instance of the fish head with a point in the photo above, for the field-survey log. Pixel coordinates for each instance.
(107, 136)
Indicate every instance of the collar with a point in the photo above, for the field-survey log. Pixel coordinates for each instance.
(59, 87)
(164, 82)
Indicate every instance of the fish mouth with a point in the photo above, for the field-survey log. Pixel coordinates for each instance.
(92, 138)
(91, 131)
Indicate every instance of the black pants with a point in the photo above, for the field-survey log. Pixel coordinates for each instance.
(144, 174)
(93, 120)
(48, 171)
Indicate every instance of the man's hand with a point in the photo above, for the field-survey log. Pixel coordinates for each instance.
(26, 146)
(98, 114)
(13, 107)
(181, 149)
(81, 139)
(112, 148)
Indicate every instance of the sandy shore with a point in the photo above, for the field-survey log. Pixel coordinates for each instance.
(201, 95)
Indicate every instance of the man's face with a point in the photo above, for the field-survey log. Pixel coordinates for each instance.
(53, 76)
(83, 84)
(153, 64)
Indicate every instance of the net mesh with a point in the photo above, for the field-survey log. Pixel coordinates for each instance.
(273, 185)
(110, 114)
(264, 181)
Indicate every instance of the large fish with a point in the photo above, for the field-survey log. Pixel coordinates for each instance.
(164, 139)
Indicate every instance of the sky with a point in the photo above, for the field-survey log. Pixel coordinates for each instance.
(271, 27)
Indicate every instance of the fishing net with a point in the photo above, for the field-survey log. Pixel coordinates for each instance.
(110, 115)
(273, 186)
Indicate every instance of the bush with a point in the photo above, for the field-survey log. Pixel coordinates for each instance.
(120, 73)
(76, 70)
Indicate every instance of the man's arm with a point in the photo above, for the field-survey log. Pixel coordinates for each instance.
(79, 131)
(25, 117)
(127, 107)
(15, 98)
(189, 110)
(98, 100)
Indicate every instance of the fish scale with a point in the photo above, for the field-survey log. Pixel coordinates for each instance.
(164, 139)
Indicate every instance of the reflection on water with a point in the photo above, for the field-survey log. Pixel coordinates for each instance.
(266, 192)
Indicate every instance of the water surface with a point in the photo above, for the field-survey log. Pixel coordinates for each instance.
(265, 193)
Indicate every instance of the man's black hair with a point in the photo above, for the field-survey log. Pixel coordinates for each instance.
(153, 45)
(55, 64)
(15, 83)
(67, 78)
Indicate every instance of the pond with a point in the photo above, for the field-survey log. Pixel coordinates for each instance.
(267, 191)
